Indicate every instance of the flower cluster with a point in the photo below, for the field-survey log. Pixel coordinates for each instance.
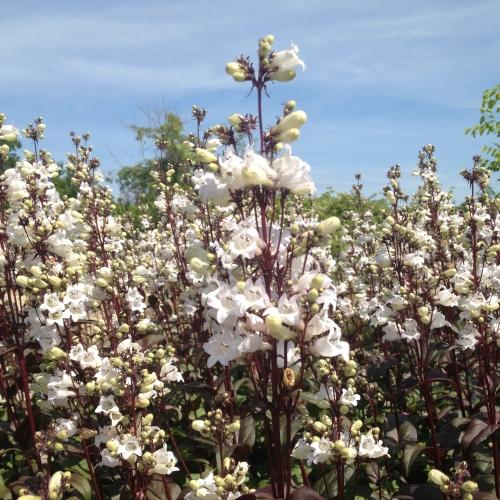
(214, 344)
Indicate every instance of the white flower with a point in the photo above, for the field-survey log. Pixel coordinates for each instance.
(330, 345)
(107, 405)
(63, 247)
(383, 259)
(211, 187)
(321, 451)
(391, 332)
(292, 354)
(76, 311)
(108, 459)
(256, 171)
(67, 425)
(415, 259)
(170, 373)
(287, 310)
(349, 397)
(370, 448)
(255, 294)
(282, 64)
(438, 320)
(293, 174)
(227, 303)
(51, 303)
(410, 331)
(302, 450)
(75, 294)
(446, 298)
(245, 242)
(222, 348)
(87, 358)
(8, 133)
(135, 300)
(59, 388)
(165, 461)
(204, 489)
(129, 446)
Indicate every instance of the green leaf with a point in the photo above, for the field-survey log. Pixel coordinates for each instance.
(407, 433)
(156, 490)
(477, 431)
(81, 485)
(410, 454)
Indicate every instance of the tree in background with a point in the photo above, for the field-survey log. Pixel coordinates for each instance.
(9, 144)
(345, 205)
(489, 124)
(165, 132)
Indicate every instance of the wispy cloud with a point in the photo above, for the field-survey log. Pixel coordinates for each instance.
(382, 76)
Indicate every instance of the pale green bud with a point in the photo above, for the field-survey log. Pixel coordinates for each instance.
(470, 487)
(55, 354)
(312, 295)
(285, 75)
(317, 282)
(240, 76)
(328, 226)
(233, 427)
(205, 156)
(293, 120)
(437, 477)
(289, 136)
(22, 281)
(198, 425)
(55, 281)
(233, 67)
(235, 119)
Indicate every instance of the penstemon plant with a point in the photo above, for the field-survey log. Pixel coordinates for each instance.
(216, 349)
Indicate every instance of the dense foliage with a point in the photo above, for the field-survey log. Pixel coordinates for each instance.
(240, 340)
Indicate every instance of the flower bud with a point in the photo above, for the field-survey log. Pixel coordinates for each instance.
(288, 378)
(205, 156)
(328, 226)
(289, 135)
(233, 67)
(437, 477)
(22, 281)
(235, 120)
(58, 447)
(199, 266)
(55, 281)
(256, 176)
(55, 354)
(356, 425)
(198, 425)
(470, 487)
(62, 435)
(290, 121)
(312, 295)
(318, 282)
(423, 311)
(319, 426)
(233, 427)
(240, 76)
(285, 75)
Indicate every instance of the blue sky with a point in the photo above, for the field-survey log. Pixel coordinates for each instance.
(383, 77)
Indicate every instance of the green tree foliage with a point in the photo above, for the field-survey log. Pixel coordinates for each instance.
(489, 125)
(165, 134)
(12, 157)
(64, 184)
(345, 205)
